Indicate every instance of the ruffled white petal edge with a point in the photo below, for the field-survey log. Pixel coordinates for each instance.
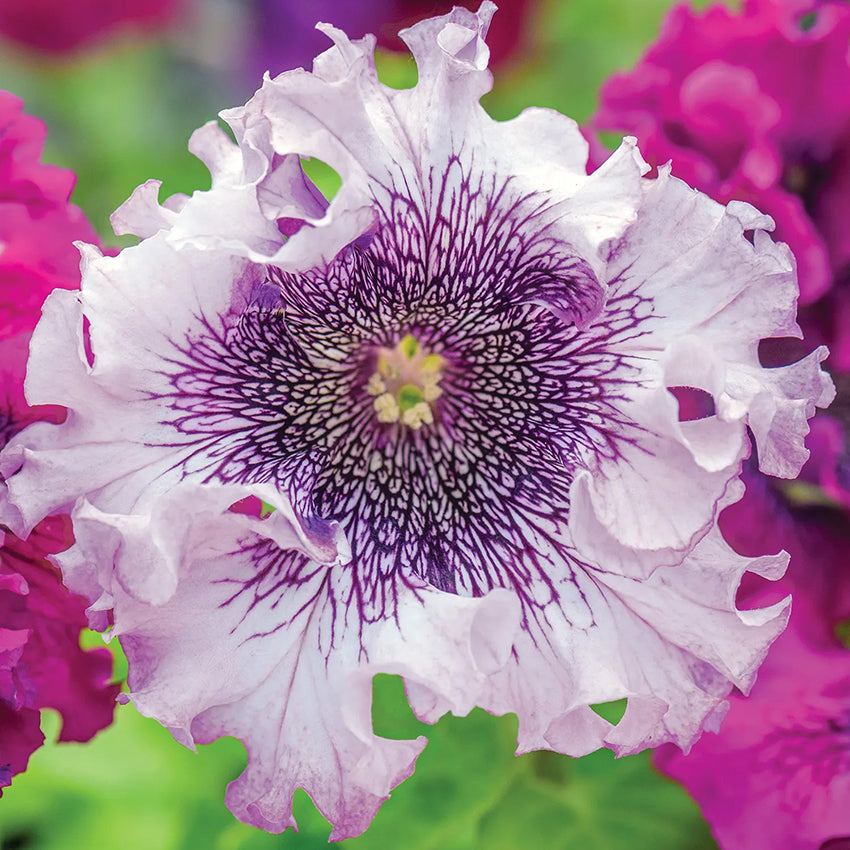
(673, 644)
(277, 670)
(704, 295)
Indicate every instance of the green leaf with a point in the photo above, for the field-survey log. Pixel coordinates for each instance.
(594, 803)
(467, 766)
(132, 780)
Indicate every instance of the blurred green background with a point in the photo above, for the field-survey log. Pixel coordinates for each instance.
(118, 115)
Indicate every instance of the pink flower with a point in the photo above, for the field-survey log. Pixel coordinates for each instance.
(756, 106)
(41, 663)
(59, 26)
(37, 224)
(777, 774)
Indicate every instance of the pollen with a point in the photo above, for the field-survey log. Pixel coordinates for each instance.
(376, 385)
(418, 415)
(387, 408)
(405, 384)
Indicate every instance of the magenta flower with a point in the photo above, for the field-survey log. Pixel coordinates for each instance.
(451, 388)
(755, 106)
(41, 663)
(60, 27)
(37, 224)
(777, 774)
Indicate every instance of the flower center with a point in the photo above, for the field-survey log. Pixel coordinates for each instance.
(405, 384)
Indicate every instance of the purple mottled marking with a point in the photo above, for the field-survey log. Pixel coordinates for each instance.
(477, 500)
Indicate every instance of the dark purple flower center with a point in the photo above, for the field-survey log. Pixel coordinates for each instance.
(432, 393)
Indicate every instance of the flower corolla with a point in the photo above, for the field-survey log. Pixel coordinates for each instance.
(427, 428)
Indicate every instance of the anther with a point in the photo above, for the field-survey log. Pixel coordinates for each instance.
(387, 408)
(376, 385)
(418, 415)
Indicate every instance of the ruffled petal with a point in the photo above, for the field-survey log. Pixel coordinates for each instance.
(781, 143)
(673, 644)
(273, 658)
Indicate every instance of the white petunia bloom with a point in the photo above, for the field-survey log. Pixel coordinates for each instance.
(452, 386)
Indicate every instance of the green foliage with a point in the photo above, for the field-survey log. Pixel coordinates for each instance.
(593, 803)
(132, 781)
(323, 176)
(463, 772)
(469, 792)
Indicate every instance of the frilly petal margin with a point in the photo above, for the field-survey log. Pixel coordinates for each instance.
(300, 115)
(701, 646)
(314, 706)
(709, 343)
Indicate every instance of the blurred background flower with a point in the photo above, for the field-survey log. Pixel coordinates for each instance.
(777, 774)
(56, 27)
(41, 662)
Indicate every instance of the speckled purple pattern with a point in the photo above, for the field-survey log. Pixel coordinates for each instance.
(279, 396)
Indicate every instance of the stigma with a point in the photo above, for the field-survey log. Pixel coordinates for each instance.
(405, 384)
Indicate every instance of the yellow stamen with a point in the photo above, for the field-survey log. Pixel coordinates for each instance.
(387, 408)
(431, 392)
(418, 415)
(376, 385)
(431, 365)
(406, 383)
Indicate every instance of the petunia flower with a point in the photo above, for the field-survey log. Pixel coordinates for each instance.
(424, 429)
(41, 662)
(754, 105)
(59, 28)
(777, 774)
(37, 224)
